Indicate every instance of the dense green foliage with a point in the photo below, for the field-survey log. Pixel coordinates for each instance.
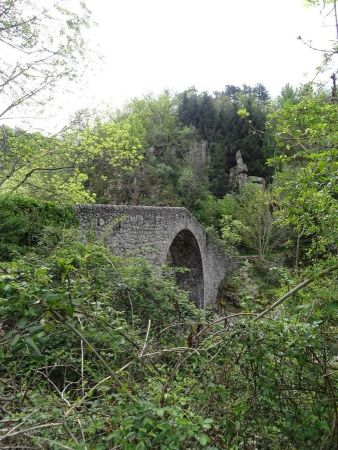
(104, 353)
(58, 167)
(99, 351)
(24, 223)
(306, 180)
(165, 150)
(217, 121)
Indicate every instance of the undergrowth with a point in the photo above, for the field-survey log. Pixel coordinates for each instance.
(99, 352)
(24, 222)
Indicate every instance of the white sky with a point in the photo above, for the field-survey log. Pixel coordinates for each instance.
(151, 45)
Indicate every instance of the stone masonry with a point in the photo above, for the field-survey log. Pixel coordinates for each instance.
(163, 235)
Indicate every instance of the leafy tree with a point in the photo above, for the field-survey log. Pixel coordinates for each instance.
(288, 95)
(247, 218)
(306, 182)
(261, 93)
(157, 116)
(57, 167)
(40, 46)
(165, 146)
(198, 109)
(191, 187)
(207, 210)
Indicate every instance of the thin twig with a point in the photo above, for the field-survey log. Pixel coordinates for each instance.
(125, 366)
(75, 405)
(55, 387)
(89, 345)
(222, 319)
(173, 350)
(82, 359)
(294, 290)
(28, 430)
(70, 434)
(18, 425)
(146, 340)
(128, 294)
(82, 434)
(54, 442)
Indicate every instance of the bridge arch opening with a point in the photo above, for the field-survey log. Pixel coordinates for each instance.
(184, 252)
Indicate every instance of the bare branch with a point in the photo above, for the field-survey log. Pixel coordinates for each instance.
(41, 169)
(28, 430)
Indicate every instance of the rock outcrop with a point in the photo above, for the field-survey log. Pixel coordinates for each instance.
(238, 175)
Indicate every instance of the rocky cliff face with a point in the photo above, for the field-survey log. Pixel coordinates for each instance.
(198, 155)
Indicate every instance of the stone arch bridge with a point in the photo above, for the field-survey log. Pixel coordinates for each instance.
(163, 235)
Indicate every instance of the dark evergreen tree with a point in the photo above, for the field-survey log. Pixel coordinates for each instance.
(216, 119)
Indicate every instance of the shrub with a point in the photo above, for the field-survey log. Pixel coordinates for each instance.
(24, 222)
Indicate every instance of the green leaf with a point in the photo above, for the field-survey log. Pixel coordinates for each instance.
(203, 439)
(34, 351)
